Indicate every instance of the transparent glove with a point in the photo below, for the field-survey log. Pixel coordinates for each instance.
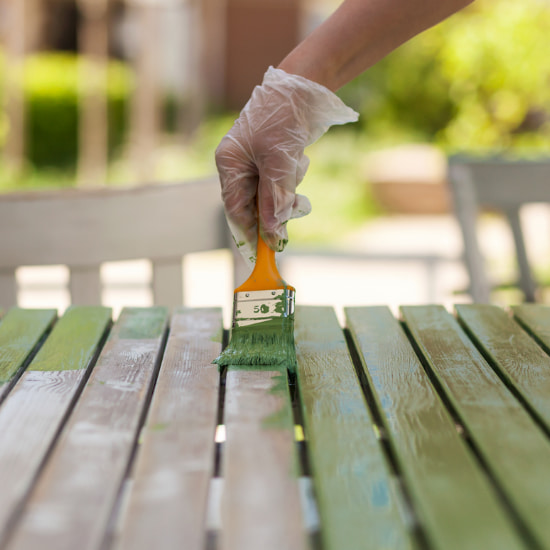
(263, 154)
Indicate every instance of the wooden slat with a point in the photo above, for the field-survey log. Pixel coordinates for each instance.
(261, 501)
(20, 333)
(510, 443)
(352, 481)
(72, 502)
(432, 456)
(516, 356)
(36, 407)
(168, 501)
(535, 318)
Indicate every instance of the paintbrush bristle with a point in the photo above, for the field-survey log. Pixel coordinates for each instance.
(263, 330)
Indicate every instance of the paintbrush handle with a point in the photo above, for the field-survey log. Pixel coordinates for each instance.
(265, 275)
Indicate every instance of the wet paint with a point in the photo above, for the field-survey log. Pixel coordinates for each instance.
(270, 343)
(139, 323)
(74, 339)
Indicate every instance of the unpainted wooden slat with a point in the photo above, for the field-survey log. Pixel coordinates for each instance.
(510, 443)
(535, 318)
(455, 504)
(261, 501)
(21, 331)
(515, 355)
(33, 412)
(72, 502)
(358, 507)
(168, 501)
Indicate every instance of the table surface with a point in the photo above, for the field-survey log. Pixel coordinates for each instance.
(430, 430)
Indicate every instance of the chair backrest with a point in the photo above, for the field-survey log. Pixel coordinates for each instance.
(84, 228)
(505, 185)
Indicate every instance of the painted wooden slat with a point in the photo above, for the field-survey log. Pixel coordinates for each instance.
(516, 356)
(21, 331)
(35, 409)
(509, 442)
(168, 501)
(357, 505)
(261, 500)
(456, 506)
(72, 502)
(535, 318)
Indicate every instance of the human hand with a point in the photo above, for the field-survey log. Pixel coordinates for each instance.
(263, 156)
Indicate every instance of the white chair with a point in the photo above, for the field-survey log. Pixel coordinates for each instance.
(503, 185)
(84, 228)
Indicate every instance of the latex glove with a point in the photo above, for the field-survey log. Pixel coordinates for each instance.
(264, 154)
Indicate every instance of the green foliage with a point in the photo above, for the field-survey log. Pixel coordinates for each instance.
(480, 80)
(52, 107)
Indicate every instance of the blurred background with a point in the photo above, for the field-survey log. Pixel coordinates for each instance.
(126, 92)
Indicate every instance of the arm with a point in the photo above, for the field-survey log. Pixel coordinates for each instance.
(360, 33)
(261, 160)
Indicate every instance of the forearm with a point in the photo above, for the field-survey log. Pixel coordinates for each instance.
(360, 33)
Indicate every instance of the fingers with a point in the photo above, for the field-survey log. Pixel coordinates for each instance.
(279, 175)
(239, 183)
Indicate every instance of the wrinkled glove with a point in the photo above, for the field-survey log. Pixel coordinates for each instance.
(264, 154)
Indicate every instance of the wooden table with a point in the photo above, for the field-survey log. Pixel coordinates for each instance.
(428, 431)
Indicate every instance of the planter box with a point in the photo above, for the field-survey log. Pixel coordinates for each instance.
(409, 179)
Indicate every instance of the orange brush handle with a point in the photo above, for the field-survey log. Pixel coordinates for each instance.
(265, 275)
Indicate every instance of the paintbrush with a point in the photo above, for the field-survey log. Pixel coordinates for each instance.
(262, 331)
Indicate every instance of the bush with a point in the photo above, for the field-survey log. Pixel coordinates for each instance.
(481, 79)
(51, 98)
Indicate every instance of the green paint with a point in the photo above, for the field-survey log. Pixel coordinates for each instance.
(139, 323)
(270, 343)
(74, 339)
(159, 427)
(218, 336)
(20, 332)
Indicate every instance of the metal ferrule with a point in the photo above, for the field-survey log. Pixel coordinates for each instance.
(262, 305)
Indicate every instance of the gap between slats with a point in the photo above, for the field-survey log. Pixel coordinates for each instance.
(121, 500)
(406, 507)
(307, 492)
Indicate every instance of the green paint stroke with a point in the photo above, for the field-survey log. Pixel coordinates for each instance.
(74, 339)
(20, 332)
(140, 323)
(268, 344)
(159, 427)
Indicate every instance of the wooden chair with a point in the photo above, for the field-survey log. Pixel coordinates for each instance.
(502, 185)
(83, 228)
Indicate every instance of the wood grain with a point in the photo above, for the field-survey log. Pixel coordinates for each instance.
(509, 442)
(433, 458)
(261, 502)
(21, 331)
(168, 501)
(35, 409)
(353, 485)
(72, 502)
(515, 355)
(535, 318)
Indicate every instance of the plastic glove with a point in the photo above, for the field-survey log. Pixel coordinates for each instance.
(263, 154)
